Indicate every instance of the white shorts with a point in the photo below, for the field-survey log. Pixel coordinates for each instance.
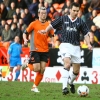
(72, 51)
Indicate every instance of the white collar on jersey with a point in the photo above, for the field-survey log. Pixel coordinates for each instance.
(71, 19)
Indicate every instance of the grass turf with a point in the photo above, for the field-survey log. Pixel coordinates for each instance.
(48, 91)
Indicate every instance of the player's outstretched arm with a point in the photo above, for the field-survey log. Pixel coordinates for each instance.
(87, 39)
(25, 38)
(49, 27)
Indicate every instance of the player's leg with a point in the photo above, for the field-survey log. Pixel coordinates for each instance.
(17, 73)
(43, 61)
(39, 75)
(11, 66)
(18, 64)
(37, 79)
(76, 68)
(65, 54)
(34, 65)
(34, 62)
(65, 75)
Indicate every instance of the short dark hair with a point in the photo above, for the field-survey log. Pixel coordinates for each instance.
(74, 4)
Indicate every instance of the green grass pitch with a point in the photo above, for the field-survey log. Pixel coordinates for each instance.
(48, 91)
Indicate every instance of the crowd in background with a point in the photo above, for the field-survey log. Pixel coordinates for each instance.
(16, 15)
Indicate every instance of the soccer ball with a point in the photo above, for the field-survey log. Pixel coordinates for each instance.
(83, 91)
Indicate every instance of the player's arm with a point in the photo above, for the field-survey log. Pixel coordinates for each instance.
(87, 39)
(85, 31)
(8, 57)
(27, 31)
(52, 37)
(49, 28)
(54, 24)
(25, 37)
(9, 53)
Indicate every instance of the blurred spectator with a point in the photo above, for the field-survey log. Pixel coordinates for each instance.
(14, 15)
(42, 2)
(28, 17)
(67, 4)
(80, 15)
(58, 7)
(92, 40)
(65, 11)
(3, 22)
(33, 9)
(3, 11)
(11, 11)
(96, 32)
(6, 33)
(17, 12)
(77, 1)
(22, 26)
(88, 17)
(56, 15)
(6, 2)
(46, 5)
(28, 2)
(95, 4)
(22, 15)
(6, 36)
(57, 43)
(9, 3)
(14, 31)
(21, 4)
(52, 11)
(96, 20)
(40, 5)
(49, 1)
(15, 20)
(83, 44)
(84, 6)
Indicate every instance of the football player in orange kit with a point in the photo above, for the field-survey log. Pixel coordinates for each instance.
(39, 50)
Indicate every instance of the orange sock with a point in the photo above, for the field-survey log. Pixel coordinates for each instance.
(31, 67)
(38, 78)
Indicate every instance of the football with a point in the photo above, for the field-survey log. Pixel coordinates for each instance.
(83, 91)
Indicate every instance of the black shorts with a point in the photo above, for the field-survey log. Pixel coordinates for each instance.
(36, 57)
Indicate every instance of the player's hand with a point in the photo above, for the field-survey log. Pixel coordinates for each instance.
(23, 68)
(42, 31)
(25, 41)
(90, 47)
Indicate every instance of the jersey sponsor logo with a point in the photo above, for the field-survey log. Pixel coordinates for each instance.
(71, 29)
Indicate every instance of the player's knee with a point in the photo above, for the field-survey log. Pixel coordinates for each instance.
(19, 67)
(67, 66)
(42, 70)
(37, 69)
(76, 72)
(11, 69)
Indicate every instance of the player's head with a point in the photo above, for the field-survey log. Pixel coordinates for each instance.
(74, 9)
(42, 13)
(17, 39)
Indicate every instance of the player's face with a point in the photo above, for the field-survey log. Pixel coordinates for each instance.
(17, 39)
(74, 12)
(43, 14)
